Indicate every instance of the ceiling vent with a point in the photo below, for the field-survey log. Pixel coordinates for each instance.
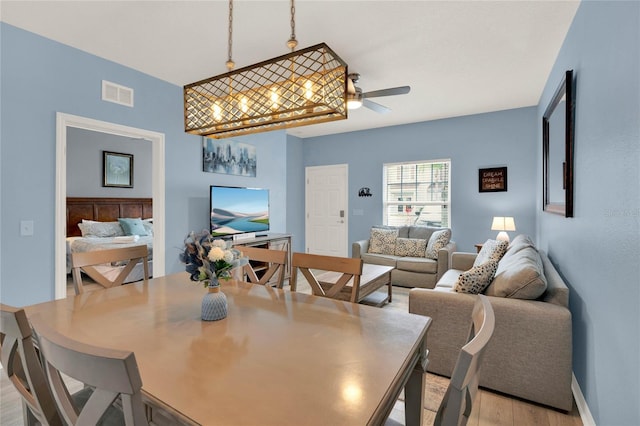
(112, 92)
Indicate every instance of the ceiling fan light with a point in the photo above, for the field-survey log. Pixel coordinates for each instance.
(354, 103)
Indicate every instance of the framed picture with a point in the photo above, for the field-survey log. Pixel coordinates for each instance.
(117, 169)
(229, 157)
(492, 179)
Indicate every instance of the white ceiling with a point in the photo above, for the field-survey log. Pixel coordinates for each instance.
(459, 57)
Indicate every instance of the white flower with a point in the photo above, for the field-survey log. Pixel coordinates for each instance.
(229, 256)
(215, 254)
(219, 243)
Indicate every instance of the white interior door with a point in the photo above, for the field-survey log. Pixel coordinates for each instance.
(327, 205)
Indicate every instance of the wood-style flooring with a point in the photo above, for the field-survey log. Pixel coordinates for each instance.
(490, 408)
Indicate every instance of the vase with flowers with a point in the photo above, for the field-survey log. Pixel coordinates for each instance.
(208, 260)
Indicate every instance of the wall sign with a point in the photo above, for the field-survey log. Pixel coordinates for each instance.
(493, 179)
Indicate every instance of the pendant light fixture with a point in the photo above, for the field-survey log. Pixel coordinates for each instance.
(304, 87)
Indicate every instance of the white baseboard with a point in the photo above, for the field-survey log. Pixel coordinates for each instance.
(581, 403)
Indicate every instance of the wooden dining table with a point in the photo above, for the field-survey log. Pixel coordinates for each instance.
(278, 358)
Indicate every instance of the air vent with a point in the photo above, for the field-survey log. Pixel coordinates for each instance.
(112, 92)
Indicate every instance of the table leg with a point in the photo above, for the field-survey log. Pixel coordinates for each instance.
(390, 287)
(414, 392)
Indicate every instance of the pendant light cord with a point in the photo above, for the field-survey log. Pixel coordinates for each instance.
(292, 42)
(230, 64)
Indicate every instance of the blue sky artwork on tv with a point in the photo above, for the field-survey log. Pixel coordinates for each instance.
(238, 210)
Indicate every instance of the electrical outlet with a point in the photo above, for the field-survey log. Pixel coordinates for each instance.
(26, 228)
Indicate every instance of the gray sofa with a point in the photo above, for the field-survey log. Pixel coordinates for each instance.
(529, 355)
(409, 271)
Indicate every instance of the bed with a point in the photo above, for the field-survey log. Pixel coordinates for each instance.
(92, 224)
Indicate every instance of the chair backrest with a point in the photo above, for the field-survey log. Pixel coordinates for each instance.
(88, 260)
(111, 373)
(21, 363)
(274, 260)
(457, 403)
(350, 268)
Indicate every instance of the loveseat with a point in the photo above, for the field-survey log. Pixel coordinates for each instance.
(419, 254)
(529, 355)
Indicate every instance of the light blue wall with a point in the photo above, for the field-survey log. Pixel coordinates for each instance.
(598, 251)
(84, 164)
(505, 138)
(40, 77)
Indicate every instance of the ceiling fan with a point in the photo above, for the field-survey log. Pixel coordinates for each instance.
(356, 99)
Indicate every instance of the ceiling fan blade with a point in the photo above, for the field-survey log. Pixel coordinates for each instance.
(381, 109)
(388, 92)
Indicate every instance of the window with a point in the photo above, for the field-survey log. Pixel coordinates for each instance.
(425, 185)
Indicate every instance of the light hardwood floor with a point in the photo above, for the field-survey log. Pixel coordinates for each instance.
(490, 408)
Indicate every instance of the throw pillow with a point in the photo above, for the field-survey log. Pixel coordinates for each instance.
(133, 226)
(411, 247)
(437, 241)
(491, 250)
(383, 241)
(476, 279)
(91, 228)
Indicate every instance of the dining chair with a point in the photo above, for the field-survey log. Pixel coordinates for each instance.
(21, 363)
(456, 405)
(87, 262)
(108, 375)
(273, 260)
(347, 269)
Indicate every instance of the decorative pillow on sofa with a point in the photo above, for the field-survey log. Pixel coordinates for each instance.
(410, 247)
(437, 241)
(491, 250)
(91, 228)
(133, 226)
(476, 279)
(383, 241)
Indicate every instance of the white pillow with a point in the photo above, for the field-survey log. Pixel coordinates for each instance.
(91, 228)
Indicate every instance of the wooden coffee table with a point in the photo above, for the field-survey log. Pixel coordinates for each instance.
(373, 278)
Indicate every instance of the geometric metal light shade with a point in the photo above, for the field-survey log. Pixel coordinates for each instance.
(304, 87)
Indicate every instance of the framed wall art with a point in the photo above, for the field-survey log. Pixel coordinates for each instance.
(117, 169)
(492, 179)
(229, 157)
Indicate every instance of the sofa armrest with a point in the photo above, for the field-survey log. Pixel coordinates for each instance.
(358, 248)
(462, 261)
(444, 256)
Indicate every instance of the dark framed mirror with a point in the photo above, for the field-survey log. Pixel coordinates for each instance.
(557, 147)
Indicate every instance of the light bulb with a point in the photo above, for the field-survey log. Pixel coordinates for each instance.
(308, 92)
(217, 112)
(274, 99)
(243, 105)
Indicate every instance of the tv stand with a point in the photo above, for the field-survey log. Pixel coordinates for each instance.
(268, 241)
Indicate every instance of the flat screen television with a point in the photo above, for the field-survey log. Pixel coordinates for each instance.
(235, 210)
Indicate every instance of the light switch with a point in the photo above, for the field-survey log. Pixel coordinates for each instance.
(26, 228)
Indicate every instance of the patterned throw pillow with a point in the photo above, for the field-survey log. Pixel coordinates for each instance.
(437, 241)
(476, 279)
(491, 250)
(412, 247)
(91, 228)
(383, 241)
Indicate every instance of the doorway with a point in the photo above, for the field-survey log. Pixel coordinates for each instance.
(326, 208)
(65, 121)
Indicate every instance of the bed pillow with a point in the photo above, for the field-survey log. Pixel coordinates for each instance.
(91, 228)
(383, 241)
(133, 226)
(437, 241)
(148, 225)
(476, 279)
(410, 247)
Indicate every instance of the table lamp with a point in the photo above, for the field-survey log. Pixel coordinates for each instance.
(503, 224)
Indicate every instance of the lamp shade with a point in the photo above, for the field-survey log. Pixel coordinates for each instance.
(503, 224)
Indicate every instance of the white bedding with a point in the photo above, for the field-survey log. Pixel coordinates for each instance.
(84, 244)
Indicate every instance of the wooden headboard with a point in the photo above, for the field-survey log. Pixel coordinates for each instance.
(104, 210)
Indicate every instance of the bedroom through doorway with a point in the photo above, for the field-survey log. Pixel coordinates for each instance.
(79, 133)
